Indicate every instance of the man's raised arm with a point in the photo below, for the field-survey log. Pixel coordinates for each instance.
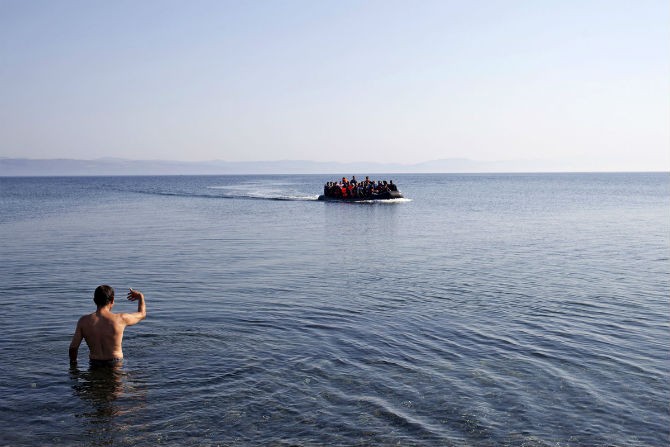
(141, 314)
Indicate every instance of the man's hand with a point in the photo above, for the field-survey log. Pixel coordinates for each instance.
(134, 295)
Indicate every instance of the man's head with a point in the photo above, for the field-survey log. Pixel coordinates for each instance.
(103, 295)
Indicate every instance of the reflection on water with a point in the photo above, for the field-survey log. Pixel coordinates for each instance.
(111, 397)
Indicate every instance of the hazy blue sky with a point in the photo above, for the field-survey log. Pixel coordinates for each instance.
(399, 81)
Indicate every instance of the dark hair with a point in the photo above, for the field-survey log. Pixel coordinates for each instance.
(103, 295)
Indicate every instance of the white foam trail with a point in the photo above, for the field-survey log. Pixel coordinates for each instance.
(402, 200)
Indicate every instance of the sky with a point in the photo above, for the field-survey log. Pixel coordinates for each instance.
(585, 82)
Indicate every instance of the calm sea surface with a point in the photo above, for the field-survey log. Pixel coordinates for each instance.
(484, 310)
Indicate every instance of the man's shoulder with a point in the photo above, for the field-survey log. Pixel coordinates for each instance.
(85, 321)
(115, 317)
(123, 317)
(87, 317)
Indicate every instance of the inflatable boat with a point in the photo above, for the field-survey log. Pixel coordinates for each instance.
(354, 191)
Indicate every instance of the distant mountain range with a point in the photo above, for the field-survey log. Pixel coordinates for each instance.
(119, 166)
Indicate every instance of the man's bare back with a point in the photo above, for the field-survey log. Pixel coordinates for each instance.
(103, 330)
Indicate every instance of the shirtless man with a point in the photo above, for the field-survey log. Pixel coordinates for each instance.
(103, 330)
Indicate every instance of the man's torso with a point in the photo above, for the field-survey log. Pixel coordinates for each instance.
(103, 334)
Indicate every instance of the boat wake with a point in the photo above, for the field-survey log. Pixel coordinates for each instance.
(259, 192)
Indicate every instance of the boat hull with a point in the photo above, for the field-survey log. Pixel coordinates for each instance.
(389, 195)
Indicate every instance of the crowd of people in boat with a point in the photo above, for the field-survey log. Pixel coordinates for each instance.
(354, 189)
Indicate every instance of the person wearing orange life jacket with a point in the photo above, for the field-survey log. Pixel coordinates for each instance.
(344, 187)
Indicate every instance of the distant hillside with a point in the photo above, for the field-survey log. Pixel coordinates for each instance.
(117, 166)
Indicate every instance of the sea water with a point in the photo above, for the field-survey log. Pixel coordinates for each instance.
(481, 310)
